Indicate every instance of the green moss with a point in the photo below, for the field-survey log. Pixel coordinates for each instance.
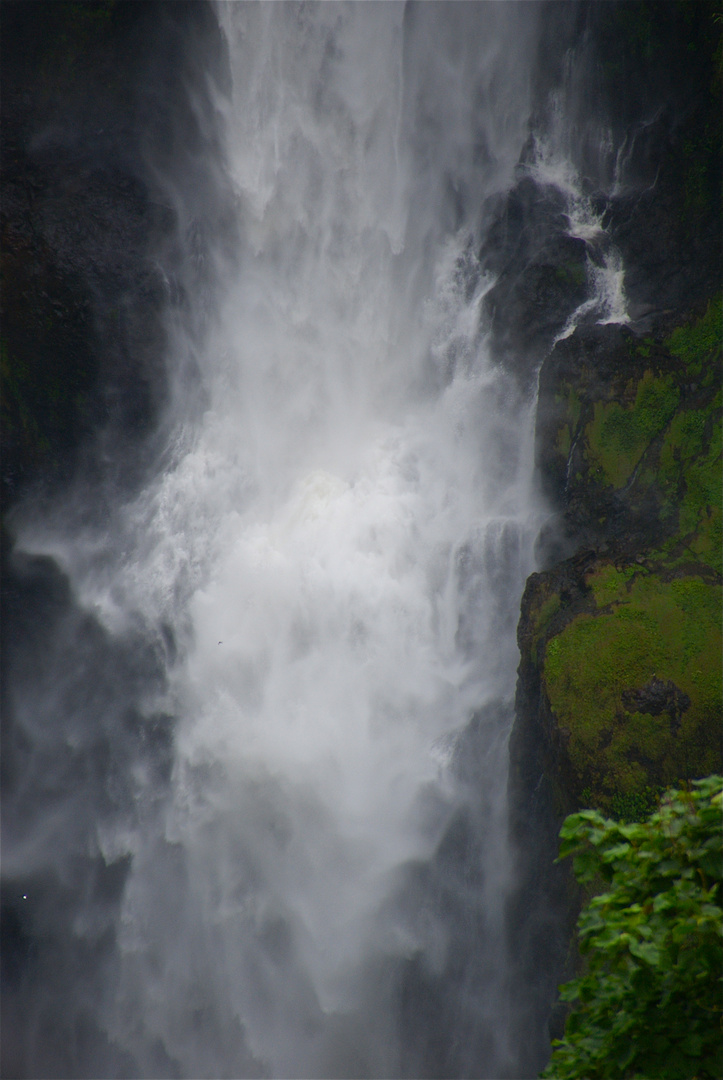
(569, 400)
(707, 543)
(655, 402)
(691, 477)
(569, 409)
(617, 436)
(608, 583)
(563, 441)
(702, 484)
(698, 344)
(546, 611)
(651, 629)
(540, 617)
(684, 439)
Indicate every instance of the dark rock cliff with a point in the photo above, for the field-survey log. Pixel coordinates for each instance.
(629, 445)
(96, 118)
(619, 685)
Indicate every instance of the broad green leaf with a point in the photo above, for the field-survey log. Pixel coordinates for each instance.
(649, 1004)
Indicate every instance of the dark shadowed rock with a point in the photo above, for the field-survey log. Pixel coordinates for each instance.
(656, 697)
(96, 115)
(542, 275)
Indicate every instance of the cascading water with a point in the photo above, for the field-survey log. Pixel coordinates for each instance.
(326, 573)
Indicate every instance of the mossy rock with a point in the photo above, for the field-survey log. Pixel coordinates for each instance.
(621, 644)
(629, 435)
(634, 682)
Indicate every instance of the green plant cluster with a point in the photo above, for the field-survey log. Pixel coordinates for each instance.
(628, 806)
(650, 1002)
(634, 806)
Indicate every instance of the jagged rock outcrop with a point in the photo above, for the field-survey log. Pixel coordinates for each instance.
(542, 273)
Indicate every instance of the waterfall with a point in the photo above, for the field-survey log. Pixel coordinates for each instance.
(299, 635)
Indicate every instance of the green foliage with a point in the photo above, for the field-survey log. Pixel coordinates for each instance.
(563, 442)
(645, 347)
(660, 440)
(627, 806)
(650, 1002)
(635, 805)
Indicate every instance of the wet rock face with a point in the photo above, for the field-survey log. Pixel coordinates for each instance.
(623, 680)
(656, 697)
(94, 109)
(620, 643)
(542, 276)
(663, 211)
(657, 197)
(622, 418)
(653, 70)
(620, 635)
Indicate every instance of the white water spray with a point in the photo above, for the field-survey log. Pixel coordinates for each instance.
(339, 546)
(351, 517)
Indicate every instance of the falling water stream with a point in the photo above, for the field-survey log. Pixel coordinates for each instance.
(328, 569)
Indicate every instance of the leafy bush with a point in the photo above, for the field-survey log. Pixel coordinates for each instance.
(649, 1004)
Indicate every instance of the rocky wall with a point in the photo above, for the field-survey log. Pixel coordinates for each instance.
(619, 684)
(621, 642)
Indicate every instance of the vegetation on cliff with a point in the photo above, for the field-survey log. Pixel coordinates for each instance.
(619, 689)
(623, 642)
(630, 726)
(629, 435)
(650, 1000)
